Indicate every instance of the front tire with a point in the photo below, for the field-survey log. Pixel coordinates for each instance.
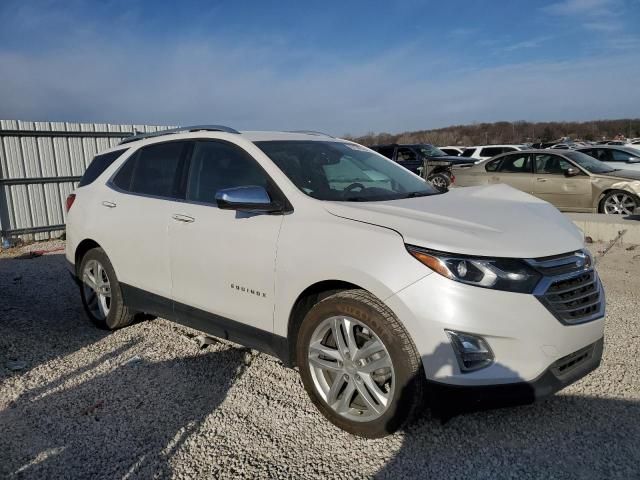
(440, 181)
(358, 364)
(619, 202)
(100, 291)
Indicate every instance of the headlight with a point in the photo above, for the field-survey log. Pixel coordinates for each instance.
(498, 273)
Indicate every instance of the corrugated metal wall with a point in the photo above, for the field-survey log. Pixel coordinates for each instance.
(35, 168)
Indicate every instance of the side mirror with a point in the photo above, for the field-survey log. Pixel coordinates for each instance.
(571, 172)
(246, 199)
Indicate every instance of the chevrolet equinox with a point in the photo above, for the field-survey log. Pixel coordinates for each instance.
(383, 292)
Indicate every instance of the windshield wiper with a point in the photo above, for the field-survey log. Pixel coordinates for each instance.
(417, 194)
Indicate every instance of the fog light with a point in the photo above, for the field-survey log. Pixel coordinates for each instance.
(472, 352)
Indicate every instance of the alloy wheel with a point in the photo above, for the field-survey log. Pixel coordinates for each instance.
(619, 204)
(439, 182)
(97, 289)
(351, 368)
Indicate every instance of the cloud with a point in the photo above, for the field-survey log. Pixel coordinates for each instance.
(583, 7)
(191, 83)
(532, 43)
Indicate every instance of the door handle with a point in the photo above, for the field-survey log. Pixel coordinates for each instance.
(541, 179)
(108, 204)
(182, 218)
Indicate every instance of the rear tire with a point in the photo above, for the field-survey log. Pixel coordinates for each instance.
(377, 384)
(100, 292)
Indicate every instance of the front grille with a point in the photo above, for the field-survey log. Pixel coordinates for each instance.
(576, 299)
(562, 264)
(567, 364)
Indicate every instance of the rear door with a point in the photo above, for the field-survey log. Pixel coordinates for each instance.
(409, 159)
(135, 212)
(514, 170)
(553, 185)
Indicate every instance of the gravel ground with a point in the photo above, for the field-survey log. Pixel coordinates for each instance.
(147, 401)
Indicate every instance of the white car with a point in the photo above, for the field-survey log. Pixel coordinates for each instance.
(453, 151)
(337, 260)
(482, 152)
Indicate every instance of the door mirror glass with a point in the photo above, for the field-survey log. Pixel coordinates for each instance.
(571, 172)
(246, 199)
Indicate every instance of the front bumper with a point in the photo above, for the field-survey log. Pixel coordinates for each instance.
(446, 398)
(524, 336)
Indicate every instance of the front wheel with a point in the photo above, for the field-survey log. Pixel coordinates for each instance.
(441, 181)
(618, 202)
(358, 364)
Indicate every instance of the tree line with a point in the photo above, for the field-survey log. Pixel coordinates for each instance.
(509, 132)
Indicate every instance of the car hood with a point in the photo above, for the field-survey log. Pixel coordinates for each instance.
(493, 220)
(622, 174)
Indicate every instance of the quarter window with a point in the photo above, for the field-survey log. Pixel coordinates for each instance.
(155, 170)
(98, 165)
(493, 165)
(216, 166)
(516, 164)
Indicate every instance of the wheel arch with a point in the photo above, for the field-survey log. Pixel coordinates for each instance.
(609, 190)
(81, 250)
(305, 302)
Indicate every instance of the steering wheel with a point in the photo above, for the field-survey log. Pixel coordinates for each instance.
(353, 186)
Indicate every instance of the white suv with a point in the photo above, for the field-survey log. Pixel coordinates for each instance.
(336, 260)
(482, 152)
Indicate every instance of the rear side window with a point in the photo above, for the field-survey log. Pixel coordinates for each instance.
(491, 151)
(155, 170)
(98, 165)
(386, 151)
(468, 152)
(516, 163)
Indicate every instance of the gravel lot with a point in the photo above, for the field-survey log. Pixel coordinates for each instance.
(147, 401)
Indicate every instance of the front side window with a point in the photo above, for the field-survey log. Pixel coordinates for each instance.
(216, 166)
(155, 170)
(517, 163)
(343, 171)
(551, 164)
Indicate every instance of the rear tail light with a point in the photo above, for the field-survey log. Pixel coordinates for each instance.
(70, 199)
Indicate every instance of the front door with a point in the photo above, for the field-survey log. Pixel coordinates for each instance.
(223, 261)
(553, 185)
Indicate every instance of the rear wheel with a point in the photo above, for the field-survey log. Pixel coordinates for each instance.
(359, 365)
(100, 292)
(618, 202)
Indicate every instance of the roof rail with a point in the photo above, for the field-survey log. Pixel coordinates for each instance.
(193, 128)
(311, 132)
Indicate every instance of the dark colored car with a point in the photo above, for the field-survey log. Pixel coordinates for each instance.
(425, 160)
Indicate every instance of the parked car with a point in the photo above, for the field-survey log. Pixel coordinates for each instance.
(340, 262)
(623, 158)
(452, 151)
(570, 180)
(425, 160)
(483, 152)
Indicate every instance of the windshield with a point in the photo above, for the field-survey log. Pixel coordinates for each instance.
(590, 164)
(431, 151)
(343, 171)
